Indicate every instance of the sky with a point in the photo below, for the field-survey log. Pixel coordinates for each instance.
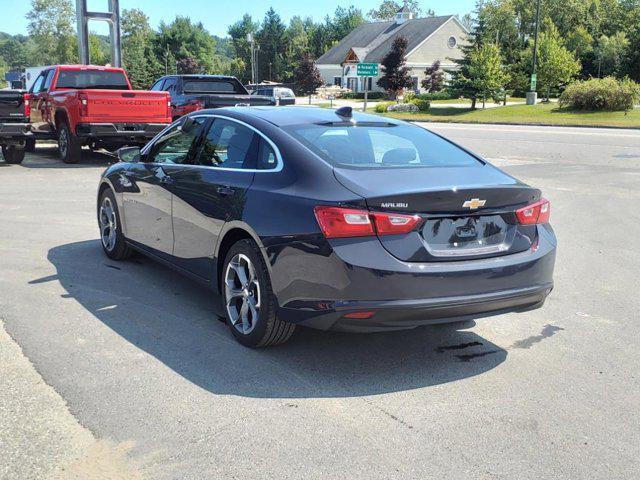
(218, 15)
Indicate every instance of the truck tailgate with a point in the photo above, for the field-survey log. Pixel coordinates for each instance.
(126, 106)
(12, 107)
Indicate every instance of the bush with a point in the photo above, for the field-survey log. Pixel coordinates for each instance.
(382, 106)
(601, 94)
(423, 105)
(403, 107)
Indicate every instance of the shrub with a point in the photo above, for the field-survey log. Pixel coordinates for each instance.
(601, 94)
(382, 106)
(410, 96)
(403, 107)
(423, 105)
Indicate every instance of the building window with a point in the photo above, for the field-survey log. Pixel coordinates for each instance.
(337, 81)
(416, 84)
(452, 42)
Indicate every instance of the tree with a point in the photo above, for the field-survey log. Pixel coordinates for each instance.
(182, 38)
(138, 54)
(557, 66)
(14, 53)
(388, 8)
(395, 74)
(52, 27)
(487, 75)
(188, 65)
(610, 53)
(307, 77)
(434, 78)
(99, 52)
(271, 38)
(242, 49)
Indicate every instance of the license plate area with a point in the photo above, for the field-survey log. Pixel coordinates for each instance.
(468, 236)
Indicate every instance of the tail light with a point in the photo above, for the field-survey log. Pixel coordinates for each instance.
(535, 213)
(84, 104)
(338, 222)
(26, 98)
(169, 112)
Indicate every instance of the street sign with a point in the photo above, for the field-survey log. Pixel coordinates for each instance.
(367, 70)
(534, 82)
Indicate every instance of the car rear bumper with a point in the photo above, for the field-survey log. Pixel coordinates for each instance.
(359, 276)
(12, 132)
(137, 132)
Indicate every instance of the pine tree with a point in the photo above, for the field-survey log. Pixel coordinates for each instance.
(395, 73)
(434, 78)
(307, 77)
(461, 84)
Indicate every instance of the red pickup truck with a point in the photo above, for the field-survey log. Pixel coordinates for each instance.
(89, 105)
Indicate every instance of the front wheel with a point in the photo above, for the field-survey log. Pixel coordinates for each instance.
(250, 304)
(69, 145)
(13, 154)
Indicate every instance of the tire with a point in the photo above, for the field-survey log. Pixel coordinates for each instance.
(30, 146)
(13, 154)
(113, 243)
(69, 145)
(261, 327)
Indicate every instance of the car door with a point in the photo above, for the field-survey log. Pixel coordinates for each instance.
(212, 191)
(148, 197)
(39, 89)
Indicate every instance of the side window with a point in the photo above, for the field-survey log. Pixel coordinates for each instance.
(170, 85)
(158, 86)
(48, 79)
(37, 85)
(230, 145)
(267, 159)
(177, 145)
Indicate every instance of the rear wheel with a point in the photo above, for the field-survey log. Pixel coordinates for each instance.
(113, 242)
(250, 305)
(69, 145)
(13, 153)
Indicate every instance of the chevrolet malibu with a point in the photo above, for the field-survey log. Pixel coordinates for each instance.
(329, 219)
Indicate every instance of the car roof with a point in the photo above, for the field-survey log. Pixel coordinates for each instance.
(284, 116)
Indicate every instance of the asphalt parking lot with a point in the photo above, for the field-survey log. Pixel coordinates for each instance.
(123, 367)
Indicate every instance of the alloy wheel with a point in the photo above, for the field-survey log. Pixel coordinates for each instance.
(108, 224)
(242, 294)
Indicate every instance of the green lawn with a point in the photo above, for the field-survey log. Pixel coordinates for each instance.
(468, 102)
(541, 114)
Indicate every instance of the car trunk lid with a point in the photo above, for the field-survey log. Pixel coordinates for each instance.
(467, 212)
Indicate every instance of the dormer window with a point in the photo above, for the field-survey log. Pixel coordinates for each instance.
(404, 14)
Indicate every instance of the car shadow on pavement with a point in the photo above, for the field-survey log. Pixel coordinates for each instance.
(172, 318)
(46, 156)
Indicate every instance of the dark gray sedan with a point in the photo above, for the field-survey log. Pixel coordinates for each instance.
(329, 219)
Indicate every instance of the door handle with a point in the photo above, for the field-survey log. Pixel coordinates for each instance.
(163, 177)
(225, 191)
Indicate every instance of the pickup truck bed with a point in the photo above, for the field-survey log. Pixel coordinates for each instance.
(194, 92)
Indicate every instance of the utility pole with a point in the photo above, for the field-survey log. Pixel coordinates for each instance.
(532, 94)
(254, 58)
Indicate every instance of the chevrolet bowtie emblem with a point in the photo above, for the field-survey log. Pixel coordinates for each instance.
(474, 203)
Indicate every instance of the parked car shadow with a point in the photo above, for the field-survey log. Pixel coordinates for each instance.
(46, 156)
(172, 318)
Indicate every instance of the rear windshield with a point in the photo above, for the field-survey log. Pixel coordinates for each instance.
(92, 79)
(213, 85)
(381, 146)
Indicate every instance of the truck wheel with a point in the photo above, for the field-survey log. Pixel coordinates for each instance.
(30, 146)
(69, 145)
(13, 154)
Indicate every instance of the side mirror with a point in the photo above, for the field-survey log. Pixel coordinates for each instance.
(129, 154)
